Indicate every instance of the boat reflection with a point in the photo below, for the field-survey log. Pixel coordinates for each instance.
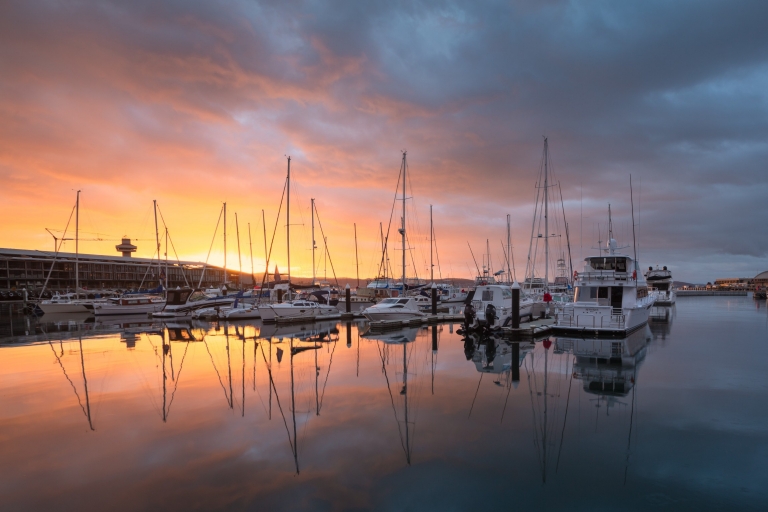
(660, 321)
(389, 354)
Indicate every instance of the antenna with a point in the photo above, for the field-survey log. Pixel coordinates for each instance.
(632, 202)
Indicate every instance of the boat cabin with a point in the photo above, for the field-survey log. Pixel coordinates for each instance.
(181, 296)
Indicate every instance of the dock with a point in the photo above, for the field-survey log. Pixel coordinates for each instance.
(711, 293)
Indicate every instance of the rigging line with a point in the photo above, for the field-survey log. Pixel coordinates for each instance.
(565, 418)
(183, 274)
(178, 378)
(392, 399)
(272, 382)
(202, 274)
(326, 246)
(216, 370)
(539, 456)
(79, 402)
(434, 240)
(413, 262)
(629, 437)
(327, 374)
(272, 243)
(58, 248)
(384, 259)
(475, 398)
(85, 383)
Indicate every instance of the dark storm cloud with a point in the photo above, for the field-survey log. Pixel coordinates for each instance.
(672, 92)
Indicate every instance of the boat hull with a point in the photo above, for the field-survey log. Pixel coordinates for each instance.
(377, 316)
(115, 309)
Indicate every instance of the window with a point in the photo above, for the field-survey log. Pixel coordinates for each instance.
(602, 292)
(642, 291)
(402, 301)
(389, 301)
(506, 293)
(487, 295)
(586, 294)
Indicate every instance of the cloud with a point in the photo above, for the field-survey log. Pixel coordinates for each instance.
(193, 104)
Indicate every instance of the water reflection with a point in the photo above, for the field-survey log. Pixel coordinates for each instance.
(338, 413)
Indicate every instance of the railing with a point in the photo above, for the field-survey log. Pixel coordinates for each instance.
(616, 320)
(604, 275)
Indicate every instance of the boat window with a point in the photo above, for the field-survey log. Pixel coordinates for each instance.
(197, 297)
(585, 294)
(602, 292)
(642, 291)
(662, 287)
(389, 301)
(506, 293)
(487, 295)
(397, 306)
(609, 263)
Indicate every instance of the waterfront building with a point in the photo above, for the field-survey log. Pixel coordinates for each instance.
(28, 269)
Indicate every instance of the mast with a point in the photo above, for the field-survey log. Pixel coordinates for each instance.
(546, 215)
(314, 245)
(250, 243)
(357, 262)
(288, 221)
(166, 257)
(225, 244)
(77, 252)
(266, 254)
(157, 241)
(239, 259)
(431, 232)
(509, 249)
(402, 231)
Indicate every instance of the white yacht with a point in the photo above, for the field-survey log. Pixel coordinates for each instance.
(499, 296)
(611, 296)
(660, 285)
(402, 308)
(297, 310)
(129, 305)
(184, 301)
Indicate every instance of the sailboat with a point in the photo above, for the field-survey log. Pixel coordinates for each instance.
(71, 303)
(401, 308)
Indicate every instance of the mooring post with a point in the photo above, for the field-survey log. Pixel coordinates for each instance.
(515, 305)
(515, 362)
(434, 299)
(349, 330)
(348, 298)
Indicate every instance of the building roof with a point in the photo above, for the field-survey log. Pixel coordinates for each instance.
(24, 253)
(761, 275)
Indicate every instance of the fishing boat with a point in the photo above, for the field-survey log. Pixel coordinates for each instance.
(183, 302)
(401, 308)
(660, 285)
(611, 295)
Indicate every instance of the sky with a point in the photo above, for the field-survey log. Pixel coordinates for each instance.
(194, 104)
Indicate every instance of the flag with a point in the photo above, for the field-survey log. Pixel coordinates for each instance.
(277, 275)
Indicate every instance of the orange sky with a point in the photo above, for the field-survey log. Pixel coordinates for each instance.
(195, 104)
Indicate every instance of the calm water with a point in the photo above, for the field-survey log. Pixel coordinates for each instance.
(244, 417)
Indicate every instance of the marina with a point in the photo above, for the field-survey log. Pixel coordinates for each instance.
(551, 403)
(386, 256)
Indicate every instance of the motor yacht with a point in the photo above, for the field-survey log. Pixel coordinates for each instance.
(611, 296)
(402, 308)
(493, 305)
(660, 285)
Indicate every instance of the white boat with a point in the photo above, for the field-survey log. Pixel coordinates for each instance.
(402, 308)
(183, 302)
(493, 305)
(65, 304)
(129, 305)
(241, 312)
(660, 286)
(296, 310)
(452, 295)
(611, 296)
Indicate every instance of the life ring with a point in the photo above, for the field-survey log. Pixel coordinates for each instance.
(634, 275)
(575, 274)
(454, 296)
